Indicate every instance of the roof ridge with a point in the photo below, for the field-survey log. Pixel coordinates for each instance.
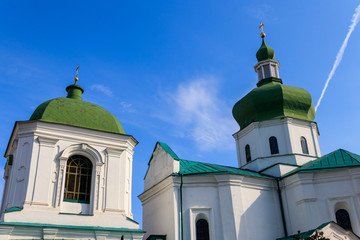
(211, 168)
(332, 160)
(168, 150)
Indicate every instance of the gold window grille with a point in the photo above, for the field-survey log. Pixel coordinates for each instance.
(78, 179)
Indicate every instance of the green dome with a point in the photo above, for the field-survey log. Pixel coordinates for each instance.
(273, 100)
(265, 52)
(75, 112)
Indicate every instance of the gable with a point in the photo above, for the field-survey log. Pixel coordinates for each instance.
(163, 163)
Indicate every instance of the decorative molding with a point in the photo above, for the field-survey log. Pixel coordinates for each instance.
(114, 210)
(114, 152)
(39, 203)
(47, 142)
(82, 149)
(21, 174)
(50, 233)
(308, 200)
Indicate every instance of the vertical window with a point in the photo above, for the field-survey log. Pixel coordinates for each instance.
(304, 146)
(78, 179)
(260, 76)
(273, 71)
(247, 153)
(343, 219)
(274, 148)
(267, 71)
(202, 230)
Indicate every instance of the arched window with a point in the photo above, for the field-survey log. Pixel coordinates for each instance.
(247, 153)
(304, 146)
(202, 230)
(274, 148)
(78, 179)
(343, 219)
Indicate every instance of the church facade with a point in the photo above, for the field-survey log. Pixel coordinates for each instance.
(282, 184)
(68, 174)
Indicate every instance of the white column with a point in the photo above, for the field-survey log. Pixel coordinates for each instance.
(60, 181)
(114, 181)
(43, 171)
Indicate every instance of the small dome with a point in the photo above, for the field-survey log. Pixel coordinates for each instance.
(75, 112)
(265, 52)
(273, 100)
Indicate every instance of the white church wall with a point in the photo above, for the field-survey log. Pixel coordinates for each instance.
(237, 206)
(311, 199)
(288, 133)
(305, 129)
(160, 210)
(201, 195)
(260, 204)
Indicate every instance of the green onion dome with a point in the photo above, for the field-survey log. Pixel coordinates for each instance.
(273, 100)
(265, 52)
(75, 112)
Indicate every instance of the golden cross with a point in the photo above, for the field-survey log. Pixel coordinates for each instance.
(77, 71)
(262, 34)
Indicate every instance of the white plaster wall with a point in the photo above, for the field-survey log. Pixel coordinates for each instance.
(288, 132)
(310, 199)
(236, 207)
(161, 166)
(240, 206)
(160, 210)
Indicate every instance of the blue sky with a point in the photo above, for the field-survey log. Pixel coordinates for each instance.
(172, 70)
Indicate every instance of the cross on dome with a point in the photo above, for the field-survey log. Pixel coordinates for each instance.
(262, 34)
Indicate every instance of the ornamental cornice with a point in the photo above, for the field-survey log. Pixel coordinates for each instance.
(49, 142)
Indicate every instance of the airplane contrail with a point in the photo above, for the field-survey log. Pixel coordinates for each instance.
(354, 22)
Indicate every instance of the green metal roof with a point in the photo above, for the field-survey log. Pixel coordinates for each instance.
(334, 160)
(273, 100)
(13, 209)
(195, 168)
(75, 112)
(188, 167)
(168, 150)
(265, 52)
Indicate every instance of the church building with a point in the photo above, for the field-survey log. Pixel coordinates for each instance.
(282, 184)
(68, 174)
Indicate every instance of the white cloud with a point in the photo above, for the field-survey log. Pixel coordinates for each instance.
(197, 110)
(126, 107)
(102, 89)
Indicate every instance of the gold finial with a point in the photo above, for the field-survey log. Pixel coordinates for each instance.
(262, 34)
(76, 77)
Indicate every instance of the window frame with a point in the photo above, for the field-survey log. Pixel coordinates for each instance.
(79, 179)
